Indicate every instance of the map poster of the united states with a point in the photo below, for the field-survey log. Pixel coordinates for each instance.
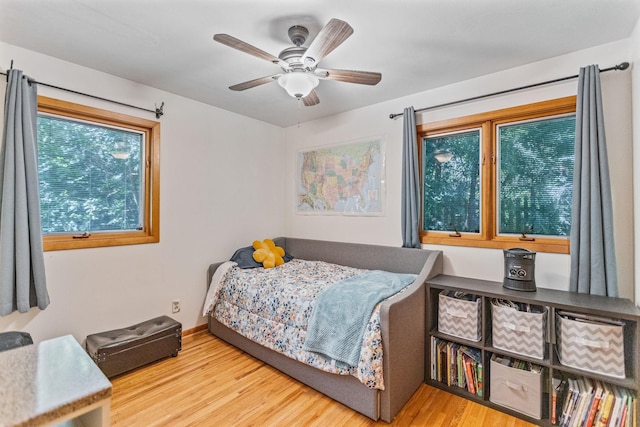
(345, 179)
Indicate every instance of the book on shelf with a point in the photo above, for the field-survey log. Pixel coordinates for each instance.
(479, 374)
(556, 385)
(586, 398)
(584, 402)
(595, 405)
(451, 364)
(456, 365)
(616, 411)
(572, 396)
(459, 371)
(469, 373)
(603, 418)
(442, 362)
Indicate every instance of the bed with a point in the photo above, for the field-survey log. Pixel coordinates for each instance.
(401, 319)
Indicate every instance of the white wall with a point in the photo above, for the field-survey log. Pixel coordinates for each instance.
(552, 270)
(634, 56)
(211, 205)
(214, 199)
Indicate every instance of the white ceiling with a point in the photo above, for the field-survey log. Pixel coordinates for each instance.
(416, 44)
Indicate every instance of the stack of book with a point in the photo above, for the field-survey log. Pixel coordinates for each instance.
(591, 403)
(456, 365)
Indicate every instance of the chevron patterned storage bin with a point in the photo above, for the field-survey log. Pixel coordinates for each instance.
(591, 344)
(519, 331)
(459, 317)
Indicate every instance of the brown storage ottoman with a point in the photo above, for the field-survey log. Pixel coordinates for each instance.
(122, 350)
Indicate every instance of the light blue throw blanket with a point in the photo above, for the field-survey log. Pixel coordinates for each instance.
(339, 318)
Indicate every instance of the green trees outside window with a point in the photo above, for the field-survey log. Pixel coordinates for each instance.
(451, 182)
(535, 176)
(99, 176)
(90, 176)
(500, 179)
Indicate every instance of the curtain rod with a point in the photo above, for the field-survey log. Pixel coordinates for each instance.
(159, 111)
(621, 66)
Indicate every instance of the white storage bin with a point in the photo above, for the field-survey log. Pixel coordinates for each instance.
(459, 317)
(591, 343)
(517, 331)
(517, 389)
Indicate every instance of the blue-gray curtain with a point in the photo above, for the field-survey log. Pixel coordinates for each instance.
(22, 277)
(593, 261)
(410, 182)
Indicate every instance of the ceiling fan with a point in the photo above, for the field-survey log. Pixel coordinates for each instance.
(300, 75)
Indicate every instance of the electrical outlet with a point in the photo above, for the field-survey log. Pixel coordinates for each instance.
(175, 306)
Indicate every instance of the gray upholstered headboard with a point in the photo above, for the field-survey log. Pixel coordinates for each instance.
(371, 257)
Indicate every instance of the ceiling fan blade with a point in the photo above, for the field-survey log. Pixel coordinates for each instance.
(330, 37)
(350, 76)
(235, 43)
(255, 82)
(311, 99)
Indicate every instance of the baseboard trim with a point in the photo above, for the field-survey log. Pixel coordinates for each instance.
(194, 330)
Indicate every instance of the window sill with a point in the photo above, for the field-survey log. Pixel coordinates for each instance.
(547, 245)
(98, 240)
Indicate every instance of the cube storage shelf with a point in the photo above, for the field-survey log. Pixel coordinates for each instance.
(539, 399)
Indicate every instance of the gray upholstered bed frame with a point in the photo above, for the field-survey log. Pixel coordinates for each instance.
(402, 325)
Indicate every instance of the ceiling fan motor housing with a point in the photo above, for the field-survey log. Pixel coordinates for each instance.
(293, 55)
(298, 35)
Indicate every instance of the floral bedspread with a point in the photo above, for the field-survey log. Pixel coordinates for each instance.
(272, 307)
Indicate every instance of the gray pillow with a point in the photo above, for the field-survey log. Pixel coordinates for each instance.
(244, 258)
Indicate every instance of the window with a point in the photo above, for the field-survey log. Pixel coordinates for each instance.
(99, 176)
(501, 179)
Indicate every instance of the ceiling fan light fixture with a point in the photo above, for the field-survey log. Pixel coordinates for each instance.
(298, 84)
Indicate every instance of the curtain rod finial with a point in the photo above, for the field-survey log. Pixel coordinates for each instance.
(622, 66)
(160, 111)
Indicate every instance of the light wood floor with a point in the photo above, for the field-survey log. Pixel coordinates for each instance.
(211, 383)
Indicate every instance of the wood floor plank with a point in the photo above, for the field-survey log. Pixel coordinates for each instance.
(211, 383)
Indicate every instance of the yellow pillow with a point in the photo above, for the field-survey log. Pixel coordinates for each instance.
(267, 253)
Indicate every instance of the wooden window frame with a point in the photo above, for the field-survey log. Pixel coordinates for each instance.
(150, 232)
(488, 237)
